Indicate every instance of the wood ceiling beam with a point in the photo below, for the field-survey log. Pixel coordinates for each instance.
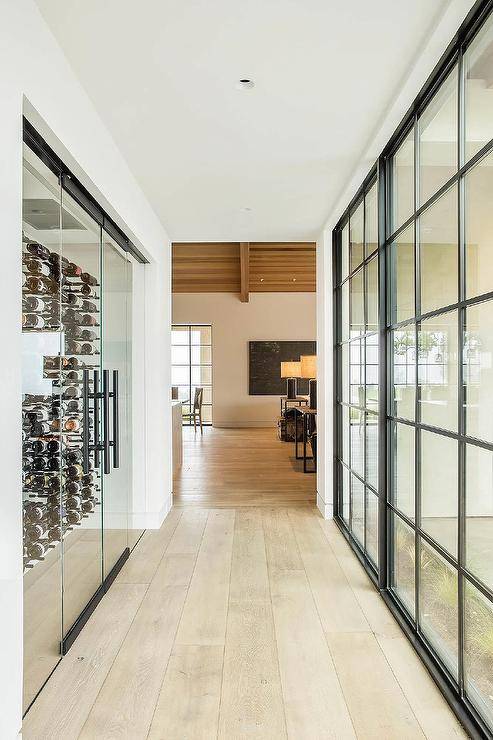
(244, 272)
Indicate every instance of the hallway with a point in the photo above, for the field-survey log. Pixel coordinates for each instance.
(235, 623)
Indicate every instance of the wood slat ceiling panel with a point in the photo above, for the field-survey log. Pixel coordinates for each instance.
(215, 267)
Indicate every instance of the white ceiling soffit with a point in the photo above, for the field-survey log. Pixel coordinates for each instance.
(220, 163)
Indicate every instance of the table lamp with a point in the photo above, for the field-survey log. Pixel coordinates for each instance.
(309, 370)
(291, 371)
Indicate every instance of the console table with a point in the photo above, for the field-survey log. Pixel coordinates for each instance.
(305, 415)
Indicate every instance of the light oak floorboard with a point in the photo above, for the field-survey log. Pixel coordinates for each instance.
(280, 543)
(188, 533)
(62, 708)
(204, 615)
(188, 704)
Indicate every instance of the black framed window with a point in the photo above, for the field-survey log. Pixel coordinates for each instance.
(191, 366)
(428, 371)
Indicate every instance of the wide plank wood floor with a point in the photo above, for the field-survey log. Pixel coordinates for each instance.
(241, 622)
(240, 467)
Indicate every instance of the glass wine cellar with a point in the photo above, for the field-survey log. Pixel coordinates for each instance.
(76, 441)
(414, 373)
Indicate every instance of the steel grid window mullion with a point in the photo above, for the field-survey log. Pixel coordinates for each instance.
(417, 434)
(363, 366)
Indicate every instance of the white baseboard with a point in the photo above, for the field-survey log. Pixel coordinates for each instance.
(327, 510)
(243, 424)
(151, 519)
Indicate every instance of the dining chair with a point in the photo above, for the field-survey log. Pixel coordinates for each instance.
(196, 412)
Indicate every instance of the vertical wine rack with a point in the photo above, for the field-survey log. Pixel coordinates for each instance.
(57, 296)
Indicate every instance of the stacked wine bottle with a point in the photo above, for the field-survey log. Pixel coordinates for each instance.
(57, 494)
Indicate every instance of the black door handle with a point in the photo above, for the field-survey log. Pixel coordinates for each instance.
(116, 421)
(96, 396)
(106, 422)
(85, 421)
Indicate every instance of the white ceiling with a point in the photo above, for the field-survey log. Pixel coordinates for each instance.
(162, 75)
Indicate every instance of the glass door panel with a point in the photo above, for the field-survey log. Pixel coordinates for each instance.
(81, 494)
(41, 443)
(116, 306)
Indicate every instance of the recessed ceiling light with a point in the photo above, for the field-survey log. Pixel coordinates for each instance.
(245, 84)
(294, 280)
(261, 280)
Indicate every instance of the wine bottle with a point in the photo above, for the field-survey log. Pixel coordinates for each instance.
(40, 413)
(55, 534)
(72, 487)
(87, 291)
(72, 270)
(73, 516)
(38, 250)
(73, 407)
(40, 462)
(88, 279)
(38, 446)
(32, 303)
(73, 502)
(72, 347)
(32, 321)
(53, 446)
(35, 551)
(87, 506)
(88, 307)
(88, 336)
(88, 479)
(73, 471)
(72, 391)
(87, 348)
(72, 425)
(35, 284)
(73, 363)
(53, 463)
(72, 375)
(72, 331)
(72, 299)
(34, 512)
(40, 428)
(71, 316)
(33, 531)
(88, 320)
(73, 455)
(36, 267)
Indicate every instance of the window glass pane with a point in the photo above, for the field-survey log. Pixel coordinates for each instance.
(179, 355)
(345, 372)
(201, 375)
(478, 218)
(404, 372)
(479, 513)
(439, 460)
(372, 525)
(478, 370)
(201, 355)
(437, 370)
(478, 93)
(345, 251)
(179, 335)
(345, 434)
(356, 237)
(201, 335)
(207, 414)
(371, 220)
(358, 509)
(345, 494)
(184, 392)
(372, 450)
(357, 375)
(207, 395)
(358, 442)
(402, 574)
(371, 372)
(356, 299)
(402, 492)
(438, 611)
(345, 311)
(438, 139)
(372, 294)
(439, 253)
(179, 375)
(478, 651)
(403, 182)
(402, 276)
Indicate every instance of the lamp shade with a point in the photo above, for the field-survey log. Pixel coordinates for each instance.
(290, 369)
(308, 366)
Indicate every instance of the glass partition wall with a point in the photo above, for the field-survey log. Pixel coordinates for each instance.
(76, 300)
(433, 354)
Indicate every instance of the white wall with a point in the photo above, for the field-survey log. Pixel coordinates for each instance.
(267, 316)
(35, 77)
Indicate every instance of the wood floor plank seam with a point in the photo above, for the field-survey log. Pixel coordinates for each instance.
(177, 627)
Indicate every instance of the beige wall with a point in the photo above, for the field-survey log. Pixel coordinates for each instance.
(268, 316)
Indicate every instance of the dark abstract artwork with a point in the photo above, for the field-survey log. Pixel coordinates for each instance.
(265, 366)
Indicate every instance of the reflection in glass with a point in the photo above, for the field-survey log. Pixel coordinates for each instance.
(437, 370)
(478, 218)
(404, 372)
(356, 237)
(438, 604)
(371, 220)
(478, 91)
(345, 311)
(357, 304)
(345, 434)
(345, 494)
(371, 372)
(372, 294)
(402, 491)
(439, 253)
(357, 374)
(345, 372)
(358, 509)
(372, 525)
(196, 372)
(479, 513)
(402, 573)
(478, 651)
(358, 442)
(372, 450)
(439, 489)
(438, 139)
(402, 276)
(478, 370)
(403, 182)
(345, 252)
